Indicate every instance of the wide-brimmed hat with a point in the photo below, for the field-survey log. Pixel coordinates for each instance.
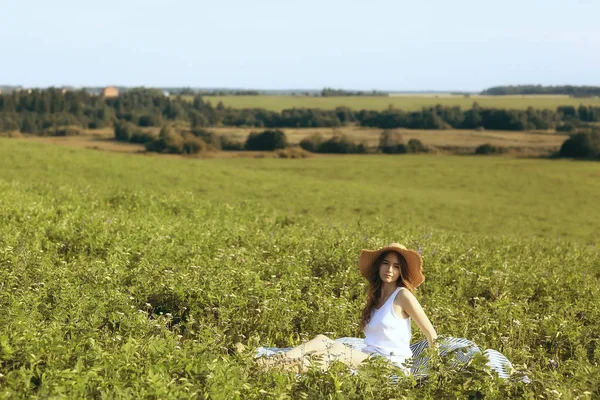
(413, 260)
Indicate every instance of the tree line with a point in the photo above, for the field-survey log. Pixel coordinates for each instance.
(575, 91)
(329, 92)
(45, 111)
(181, 139)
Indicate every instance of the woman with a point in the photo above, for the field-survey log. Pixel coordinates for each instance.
(393, 273)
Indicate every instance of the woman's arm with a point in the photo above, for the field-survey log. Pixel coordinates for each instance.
(412, 307)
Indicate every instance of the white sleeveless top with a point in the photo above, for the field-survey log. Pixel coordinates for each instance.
(388, 334)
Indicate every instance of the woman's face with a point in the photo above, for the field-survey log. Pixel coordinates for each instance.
(389, 270)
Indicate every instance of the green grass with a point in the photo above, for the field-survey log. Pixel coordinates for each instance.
(481, 195)
(411, 103)
(130, 276)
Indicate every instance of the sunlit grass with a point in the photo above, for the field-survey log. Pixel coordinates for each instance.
(130, 276)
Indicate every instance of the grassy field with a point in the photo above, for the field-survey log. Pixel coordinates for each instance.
(412, 103)
(130, 276)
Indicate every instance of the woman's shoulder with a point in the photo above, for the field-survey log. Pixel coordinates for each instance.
(403, 295)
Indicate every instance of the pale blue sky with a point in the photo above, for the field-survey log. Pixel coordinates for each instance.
(268, 44)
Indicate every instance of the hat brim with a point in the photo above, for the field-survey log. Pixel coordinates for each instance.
(414, 262)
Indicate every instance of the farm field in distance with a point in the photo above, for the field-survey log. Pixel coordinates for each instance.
(406, 102)
(524, 143)
(446, 138)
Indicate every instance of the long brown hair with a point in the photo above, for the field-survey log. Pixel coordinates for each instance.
(374, 290)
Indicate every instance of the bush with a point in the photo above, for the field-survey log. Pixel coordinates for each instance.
(193, 144)
(488, 148)
(416, 146)
(96, 124)
(10, 121)
(266, 141)
(391, 142)
(168, 141)
(312, 142)
(568, 126)
(125, 130)
(341, 144)
(142, 137)
(150, 120)
(582, 145)
(67, 131)
(230, 145)
(210, 138)
(173, 142)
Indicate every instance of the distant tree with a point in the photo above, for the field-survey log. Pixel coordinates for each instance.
(124, 131)
(67, 131)
(312, 142)
(472, 119)
(416, 146)
(488, 148)
(582, 145)
(211, 139)
(341, 144)
(168, 141)
(266, 141)
(29, 124)
(198, 103)
(344, 114)
(230, 145)
(575, 91)
(192, 144)
(391, 142)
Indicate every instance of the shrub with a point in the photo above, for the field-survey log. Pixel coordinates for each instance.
(142, 137)
(150, 120)
(193, 144)
(29, 124)
(582, 145)
(391, 142)
(211, 139)
(96, 124)
(9, 121)
(416, 146)
(173, 142)
(488, 148)
(266, 141)
(568, 126)
(67, 131)
(230, 145)
(125, 130)
(312, 142)
(341, 144)
(168, 141)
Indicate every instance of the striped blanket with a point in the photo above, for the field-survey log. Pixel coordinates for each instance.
(463, 350)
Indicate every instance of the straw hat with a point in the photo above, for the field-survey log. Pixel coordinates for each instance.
(413, 260)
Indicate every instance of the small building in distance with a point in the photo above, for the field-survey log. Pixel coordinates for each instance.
(110, 92)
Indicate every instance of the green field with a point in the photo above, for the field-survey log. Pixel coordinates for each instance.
(411, 103)
(129, 276)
